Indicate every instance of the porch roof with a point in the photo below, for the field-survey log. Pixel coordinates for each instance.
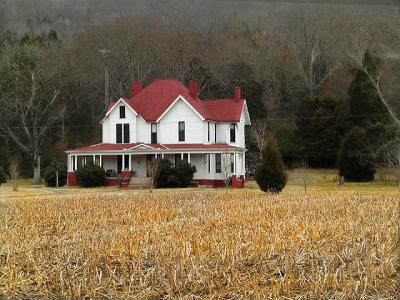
(104, 147)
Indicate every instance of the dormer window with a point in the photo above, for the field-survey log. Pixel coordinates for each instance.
(122, 112)
(181, 131)
(233, 132)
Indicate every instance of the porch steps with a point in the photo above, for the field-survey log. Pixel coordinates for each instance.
(138, 183)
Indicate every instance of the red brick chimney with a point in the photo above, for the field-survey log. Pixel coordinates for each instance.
(238, 95)
(136, 87)
(193, 88)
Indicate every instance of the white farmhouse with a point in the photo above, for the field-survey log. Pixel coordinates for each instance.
(166, 119)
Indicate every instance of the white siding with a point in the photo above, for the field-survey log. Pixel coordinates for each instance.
(109, 124)
(240, 135)
(223, 133)
(143, 131)
(168, 125)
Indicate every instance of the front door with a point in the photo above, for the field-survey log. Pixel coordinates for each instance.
(119, 164)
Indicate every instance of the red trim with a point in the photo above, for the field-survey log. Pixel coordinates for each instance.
(210, 182)
(112, 181)
(71, 179)
(127, 147)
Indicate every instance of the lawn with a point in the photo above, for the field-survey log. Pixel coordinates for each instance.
(334, 242)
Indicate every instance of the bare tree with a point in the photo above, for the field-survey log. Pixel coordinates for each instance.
(14, 173)
(152, 167)
(226, 167)
(29, 103)
(259, 132)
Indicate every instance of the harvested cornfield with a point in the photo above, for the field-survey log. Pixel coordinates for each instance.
(204, 244)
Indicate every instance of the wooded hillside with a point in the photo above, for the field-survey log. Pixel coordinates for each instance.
(296, 64)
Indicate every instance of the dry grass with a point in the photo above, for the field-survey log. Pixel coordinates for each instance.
(203, 244)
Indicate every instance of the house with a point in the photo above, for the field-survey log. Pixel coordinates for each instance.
(167, 119)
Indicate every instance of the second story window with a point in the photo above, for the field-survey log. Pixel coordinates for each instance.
(119, 134)
(208, 124)
(233, 132)
(154, 133)
(181, 131)
(215, 132)
(126, 134)
(122, 112)
(122, 134)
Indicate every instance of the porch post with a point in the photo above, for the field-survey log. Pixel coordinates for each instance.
(123, 161)
(101, 160)
(76, 162)
(94, 159)
(182, 156)
(162, 155)
(130, 162)
(189, 158)
(234, 164)
(244, 164)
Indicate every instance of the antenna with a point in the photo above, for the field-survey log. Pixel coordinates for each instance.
(105, 53)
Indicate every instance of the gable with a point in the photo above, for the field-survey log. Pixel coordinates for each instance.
(181, 108)
(114, 109)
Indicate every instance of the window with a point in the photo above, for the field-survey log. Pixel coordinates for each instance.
(232, 163)
(154, 133)
(208, 125)
(126, 134)
(122, 112)
(177, 158)
(181, 131)
(126, 162)
(233, 132)
(217, 163)
(215, 132)
(122, 134)
(119, 134)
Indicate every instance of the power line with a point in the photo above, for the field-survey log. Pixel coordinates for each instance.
(266, 120)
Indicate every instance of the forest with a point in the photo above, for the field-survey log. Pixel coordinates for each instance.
(312, 73)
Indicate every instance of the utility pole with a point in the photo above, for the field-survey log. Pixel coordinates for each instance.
(106, 77)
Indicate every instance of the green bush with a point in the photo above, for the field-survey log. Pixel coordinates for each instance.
(91, 175)
(50, 176)
(162, 178)
(183, 173)
(270, 174)
(3, 176)
(169, 176)
(354, 163)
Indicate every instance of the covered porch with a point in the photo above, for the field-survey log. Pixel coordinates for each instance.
(212, 165)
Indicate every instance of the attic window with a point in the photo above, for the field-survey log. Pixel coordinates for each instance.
(122, 112)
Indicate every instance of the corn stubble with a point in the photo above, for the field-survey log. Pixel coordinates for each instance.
(200, 245)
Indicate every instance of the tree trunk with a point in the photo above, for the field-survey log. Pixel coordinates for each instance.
(36, 169)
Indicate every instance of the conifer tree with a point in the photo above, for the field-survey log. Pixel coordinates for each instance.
(354, 163)
(270, 174)
(321, 124)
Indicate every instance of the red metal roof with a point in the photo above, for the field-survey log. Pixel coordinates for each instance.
(153, 100)
(126, 147)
